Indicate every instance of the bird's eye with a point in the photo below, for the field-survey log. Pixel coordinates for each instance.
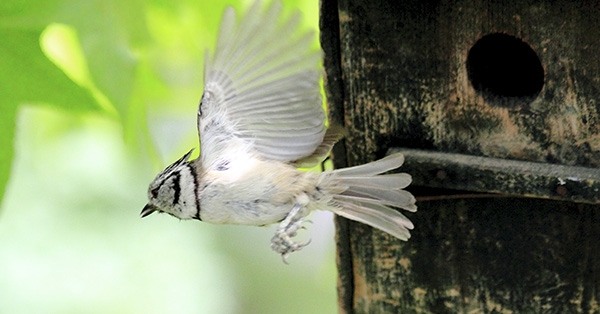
(154, 192)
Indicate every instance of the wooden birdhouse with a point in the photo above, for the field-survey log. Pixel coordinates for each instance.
(496, 106)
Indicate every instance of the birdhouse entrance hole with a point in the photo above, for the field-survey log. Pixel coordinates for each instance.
(505, 70)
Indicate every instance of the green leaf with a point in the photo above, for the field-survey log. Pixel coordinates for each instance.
(28, 77)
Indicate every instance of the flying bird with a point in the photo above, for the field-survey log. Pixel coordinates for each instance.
(260, 118)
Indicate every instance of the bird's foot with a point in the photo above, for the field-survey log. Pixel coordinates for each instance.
(282, 242)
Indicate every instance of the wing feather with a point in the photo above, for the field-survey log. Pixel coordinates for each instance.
(263, 83)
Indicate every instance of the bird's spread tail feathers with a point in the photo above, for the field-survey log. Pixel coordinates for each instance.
(371, 195)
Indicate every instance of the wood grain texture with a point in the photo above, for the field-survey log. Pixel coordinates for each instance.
(483, 256)
(396, 76)
(406, 83)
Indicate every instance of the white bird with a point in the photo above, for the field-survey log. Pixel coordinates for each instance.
(261, 117)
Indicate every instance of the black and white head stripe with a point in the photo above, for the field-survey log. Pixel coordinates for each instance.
(174, 191)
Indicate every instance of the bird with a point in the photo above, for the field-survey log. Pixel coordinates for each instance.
(259, 120)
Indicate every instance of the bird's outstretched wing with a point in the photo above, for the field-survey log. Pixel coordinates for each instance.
(262, 88)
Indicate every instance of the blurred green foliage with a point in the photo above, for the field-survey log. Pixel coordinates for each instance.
(124, 59)
(97, 97)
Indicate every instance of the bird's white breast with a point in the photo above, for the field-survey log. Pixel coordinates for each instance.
(247, 192)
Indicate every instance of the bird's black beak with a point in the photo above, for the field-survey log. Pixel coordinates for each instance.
(147, 210)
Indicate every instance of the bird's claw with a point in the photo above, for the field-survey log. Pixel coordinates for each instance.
(282, 242)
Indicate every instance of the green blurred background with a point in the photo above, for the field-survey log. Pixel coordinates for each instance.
(97, 97)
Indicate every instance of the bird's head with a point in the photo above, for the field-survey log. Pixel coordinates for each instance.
(173, 191)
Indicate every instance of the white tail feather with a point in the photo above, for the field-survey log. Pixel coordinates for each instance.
(388, 181)
(378, 216)
(370, 194)
(382, 165)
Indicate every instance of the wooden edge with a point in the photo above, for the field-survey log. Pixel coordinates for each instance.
(334, 91)
(503, 176)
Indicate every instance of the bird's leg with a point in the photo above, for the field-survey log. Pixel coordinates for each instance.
(282, 240)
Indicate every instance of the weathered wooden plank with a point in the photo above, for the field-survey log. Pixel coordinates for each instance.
(494, 255)
(503, 176)
(406, 82)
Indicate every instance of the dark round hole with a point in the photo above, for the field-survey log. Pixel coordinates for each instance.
(505, 70)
